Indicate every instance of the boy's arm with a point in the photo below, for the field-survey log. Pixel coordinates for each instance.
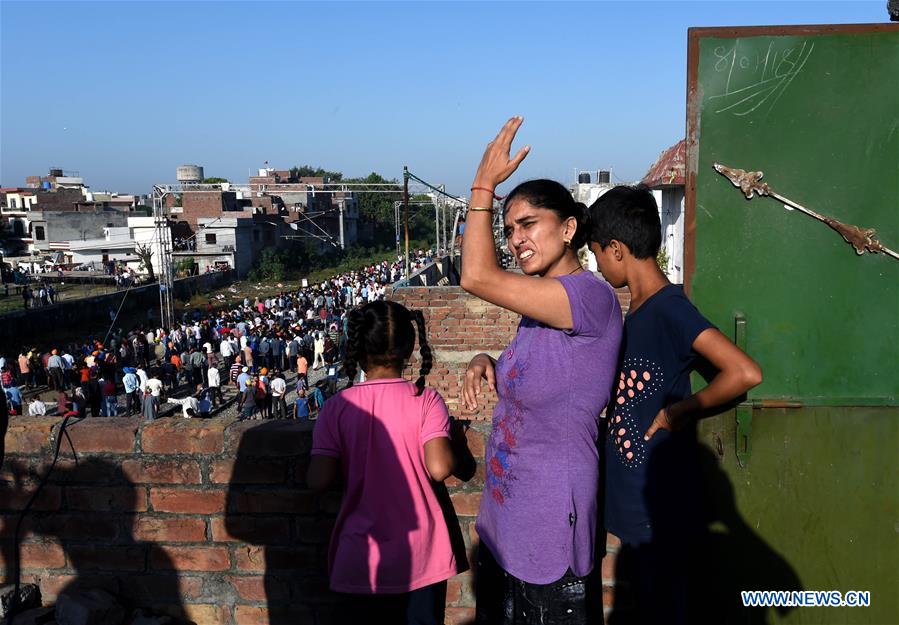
(737, 373)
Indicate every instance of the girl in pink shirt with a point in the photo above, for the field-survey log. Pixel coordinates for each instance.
(389, 439)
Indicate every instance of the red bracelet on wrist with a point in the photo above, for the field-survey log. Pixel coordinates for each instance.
(490, 191)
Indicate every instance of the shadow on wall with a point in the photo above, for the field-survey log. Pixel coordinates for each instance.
(294, 561)
(702, 554)
(96, 534)
(286, 529)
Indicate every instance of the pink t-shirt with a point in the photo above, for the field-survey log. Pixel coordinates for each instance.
(390, 535)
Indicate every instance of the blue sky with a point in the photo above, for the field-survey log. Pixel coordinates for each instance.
(124, 92)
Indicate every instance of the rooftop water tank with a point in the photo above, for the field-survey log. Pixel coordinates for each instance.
(583, 177)
(604, 176)
(190, 173)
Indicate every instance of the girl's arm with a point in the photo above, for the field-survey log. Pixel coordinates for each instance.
(439, 458)
(322, 472)
(737, 373)
(542, 299)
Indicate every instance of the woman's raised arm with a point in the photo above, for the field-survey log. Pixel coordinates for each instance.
(536, 297)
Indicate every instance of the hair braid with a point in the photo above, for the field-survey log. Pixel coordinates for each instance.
(424, 349)
(355, 319)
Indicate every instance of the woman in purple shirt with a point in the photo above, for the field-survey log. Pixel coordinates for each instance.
(537, 521)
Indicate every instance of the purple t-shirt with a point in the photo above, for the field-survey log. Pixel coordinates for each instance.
(538, 511)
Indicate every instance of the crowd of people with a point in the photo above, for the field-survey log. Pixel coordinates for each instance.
(255, 346)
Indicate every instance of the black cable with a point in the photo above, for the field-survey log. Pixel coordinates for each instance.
(436, 190)
(17, 560)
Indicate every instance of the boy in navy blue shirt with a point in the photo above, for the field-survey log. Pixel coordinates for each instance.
(650, 452)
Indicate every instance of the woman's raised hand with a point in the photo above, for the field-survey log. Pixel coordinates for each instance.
(496, 165)
(480, 367)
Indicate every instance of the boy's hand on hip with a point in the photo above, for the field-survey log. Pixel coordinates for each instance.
(662, 421)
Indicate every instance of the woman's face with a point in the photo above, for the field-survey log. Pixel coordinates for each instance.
(536, 237)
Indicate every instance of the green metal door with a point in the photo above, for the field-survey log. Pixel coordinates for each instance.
(810, 462)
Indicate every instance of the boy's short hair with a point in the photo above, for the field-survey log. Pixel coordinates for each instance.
(628, 214)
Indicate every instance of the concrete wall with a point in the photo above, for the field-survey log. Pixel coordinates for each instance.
(72, 226)
(34, 325)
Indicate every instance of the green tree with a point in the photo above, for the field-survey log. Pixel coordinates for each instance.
(271, 265)
(307, 171)
(215, 180)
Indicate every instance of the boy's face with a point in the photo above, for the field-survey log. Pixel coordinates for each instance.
(610, 261)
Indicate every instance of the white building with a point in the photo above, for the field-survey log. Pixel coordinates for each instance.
(667, 179)
(116, 244)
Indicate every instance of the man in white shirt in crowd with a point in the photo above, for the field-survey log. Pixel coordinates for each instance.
(37, 408)
(214, 381)
(154, 386)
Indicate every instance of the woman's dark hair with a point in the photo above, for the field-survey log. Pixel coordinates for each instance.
(630, 215)
(382, 333)
(551, 195)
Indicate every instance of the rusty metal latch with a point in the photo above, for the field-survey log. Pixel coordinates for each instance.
(750, 182)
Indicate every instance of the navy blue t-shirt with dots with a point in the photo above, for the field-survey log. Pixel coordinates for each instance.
(644, 480)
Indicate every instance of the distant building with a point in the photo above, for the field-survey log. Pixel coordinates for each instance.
(234, 242)
(115, 245)
(667, 179)
(52, 211)
(587, 189)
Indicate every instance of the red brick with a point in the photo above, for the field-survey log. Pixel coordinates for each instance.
(52, 584)
(258, 558)
(162, 471)
(608, 567)
(49, 499)
(250, 558)
(453, 590)
(475, 442)
(466, 504)
(22, 469)
(473, 534)
(259, 587)
(256, 472)
(270, 439)
(613, 543)
(160, 587)
(273, 502)
(250, 529)
(29, 436)
(608, 596)
(108, 557)
(102, 435)
(183, 436)
(190, 558)
(106, 499)
(100, 527)
(39, 556)
(203, 613)
(459, 616)
(169, 529)
(251, 615)
(187, 501)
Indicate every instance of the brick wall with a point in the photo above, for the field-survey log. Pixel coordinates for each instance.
(212, 519)
(198, 204)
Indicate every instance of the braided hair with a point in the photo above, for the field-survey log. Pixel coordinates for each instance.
(382, 334)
